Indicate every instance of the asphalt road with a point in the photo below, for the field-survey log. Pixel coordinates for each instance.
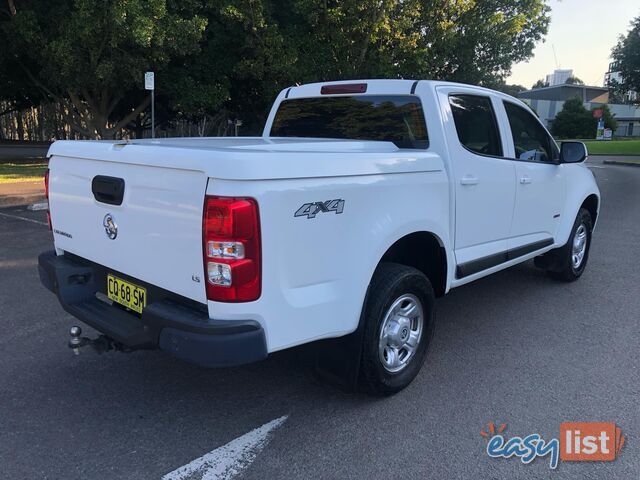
(514, 348)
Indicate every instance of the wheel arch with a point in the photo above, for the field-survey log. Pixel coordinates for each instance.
(590, 200)
(424, 251)
(592, 204)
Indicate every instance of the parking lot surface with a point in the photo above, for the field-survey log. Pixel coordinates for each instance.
(515, 348)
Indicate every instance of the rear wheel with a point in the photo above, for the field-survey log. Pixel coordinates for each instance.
(399, 321)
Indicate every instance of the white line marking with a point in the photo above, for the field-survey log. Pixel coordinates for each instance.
(596, 166)
(38, 206)
(24, 219)
(227, 461)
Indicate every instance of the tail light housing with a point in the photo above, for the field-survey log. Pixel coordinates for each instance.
(232, 249)
(46, 196)
(343, 88)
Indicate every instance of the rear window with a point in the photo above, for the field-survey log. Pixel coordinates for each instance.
(397, 118)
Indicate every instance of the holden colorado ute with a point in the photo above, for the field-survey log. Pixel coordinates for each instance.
(360, 204)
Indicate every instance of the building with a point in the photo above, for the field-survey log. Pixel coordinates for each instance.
(613, 77)
(548, 101)
(558, 77)
(628, 117)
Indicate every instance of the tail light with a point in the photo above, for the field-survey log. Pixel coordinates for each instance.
(343, 88)
(231, 248)
(46, 196)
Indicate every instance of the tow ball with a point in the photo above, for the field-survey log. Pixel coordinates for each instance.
(100, 344)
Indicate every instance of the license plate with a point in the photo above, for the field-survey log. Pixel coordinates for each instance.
(126, 294)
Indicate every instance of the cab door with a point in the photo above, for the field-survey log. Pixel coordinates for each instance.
(484, 181)
(540, 181)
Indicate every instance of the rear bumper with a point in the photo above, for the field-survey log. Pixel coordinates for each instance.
(184, 331)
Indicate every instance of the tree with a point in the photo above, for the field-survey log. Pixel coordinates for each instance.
(224, 59)
(574, 81)
(476, 42)
(512, 90)
(94, 53)
(626, 54)
(253, 49)
(539, 84)
(573, 121)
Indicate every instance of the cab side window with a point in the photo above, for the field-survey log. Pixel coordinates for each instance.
(530, 139)
(476, 124)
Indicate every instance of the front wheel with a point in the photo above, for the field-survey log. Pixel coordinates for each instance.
(571, 259)
(399, 322)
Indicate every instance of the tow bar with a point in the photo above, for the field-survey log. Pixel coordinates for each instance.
(100, 344)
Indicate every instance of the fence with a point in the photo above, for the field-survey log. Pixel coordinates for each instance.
(50, 122)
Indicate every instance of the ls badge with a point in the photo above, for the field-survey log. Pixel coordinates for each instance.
(310, 210)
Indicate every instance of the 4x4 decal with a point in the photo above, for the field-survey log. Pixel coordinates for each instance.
(310, 210)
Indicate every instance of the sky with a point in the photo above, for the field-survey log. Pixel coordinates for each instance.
(583, 32)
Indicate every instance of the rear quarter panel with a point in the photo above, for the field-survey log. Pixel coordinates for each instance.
(316, 270)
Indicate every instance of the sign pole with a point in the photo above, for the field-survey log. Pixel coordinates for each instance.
(153, 114)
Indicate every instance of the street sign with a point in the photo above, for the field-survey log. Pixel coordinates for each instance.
(149, 81)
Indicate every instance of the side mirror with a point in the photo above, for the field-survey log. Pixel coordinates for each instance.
(573, 152)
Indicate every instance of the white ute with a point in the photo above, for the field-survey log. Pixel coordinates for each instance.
(361, 202)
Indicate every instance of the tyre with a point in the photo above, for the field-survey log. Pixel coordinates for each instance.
(570, 260)
(399, 323)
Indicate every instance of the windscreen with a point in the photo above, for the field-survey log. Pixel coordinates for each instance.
(391, 118)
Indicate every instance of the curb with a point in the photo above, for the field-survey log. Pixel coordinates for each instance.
(21, 200)
(621, 162)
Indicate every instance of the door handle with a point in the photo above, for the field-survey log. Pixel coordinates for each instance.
(525, 179)
(469, 180)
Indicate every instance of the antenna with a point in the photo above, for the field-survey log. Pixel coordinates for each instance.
(554, 55)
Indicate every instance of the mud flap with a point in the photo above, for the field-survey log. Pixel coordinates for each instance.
(552, 260)
(338, 359)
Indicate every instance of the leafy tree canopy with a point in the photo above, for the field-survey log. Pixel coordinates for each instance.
(539, 84)
(230, 57)
(626, 54)
(574, 81)
(95, 52)
(503, 87)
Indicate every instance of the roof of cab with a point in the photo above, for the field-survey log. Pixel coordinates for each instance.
(378, 87)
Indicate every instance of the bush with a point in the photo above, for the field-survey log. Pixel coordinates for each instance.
(575, 121)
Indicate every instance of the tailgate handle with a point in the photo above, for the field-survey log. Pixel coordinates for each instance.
(108, 189)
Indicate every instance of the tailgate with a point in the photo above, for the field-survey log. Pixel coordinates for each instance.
(159, 223)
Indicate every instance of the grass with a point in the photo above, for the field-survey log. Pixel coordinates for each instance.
(613, 147)
(22, 170)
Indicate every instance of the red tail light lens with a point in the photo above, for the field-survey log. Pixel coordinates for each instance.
(46, 196)
(231, 249)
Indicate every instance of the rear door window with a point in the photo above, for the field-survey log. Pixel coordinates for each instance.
(391, 118)
(476, 124)
(530, 139)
